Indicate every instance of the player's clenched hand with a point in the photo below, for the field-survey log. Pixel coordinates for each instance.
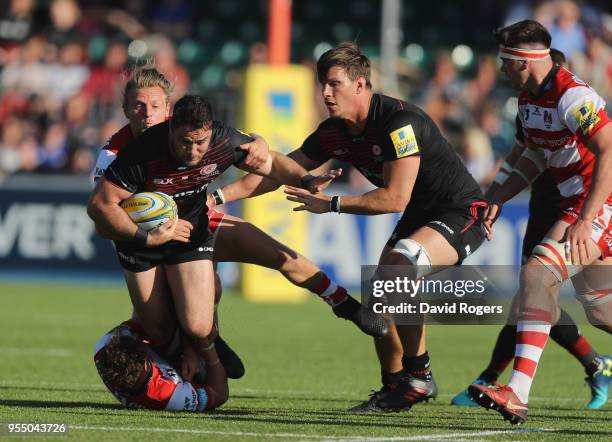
(320, 182)
(491, 214)
(313, 202)
(257, 152)
(577, 237)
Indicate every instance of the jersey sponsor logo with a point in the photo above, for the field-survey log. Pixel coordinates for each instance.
(162, 181)
(547, 119)
(536, 110)
(208, 169)
(444, 226)
(404, 141)
(586, 116)
(190, 192)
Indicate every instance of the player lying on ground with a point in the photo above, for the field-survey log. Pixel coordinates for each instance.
(181, 158)
(544, 211)
(399, 149)
(565, 129)
(145, 104)
(140, 378)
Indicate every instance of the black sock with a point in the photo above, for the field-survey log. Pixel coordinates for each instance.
(417, 366)
(502, 355)
(390, 380)
(566, 334)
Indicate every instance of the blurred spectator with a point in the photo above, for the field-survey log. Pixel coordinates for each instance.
(164, 52)
(104, 82)
(71, 72)
(16, 22)
(476, 152)
(53, 152)
(568, 34)
(64, 16)
(595, 66)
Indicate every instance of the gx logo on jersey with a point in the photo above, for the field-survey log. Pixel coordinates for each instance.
(404, 141)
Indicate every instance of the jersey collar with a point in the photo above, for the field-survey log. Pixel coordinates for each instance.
(547, 84)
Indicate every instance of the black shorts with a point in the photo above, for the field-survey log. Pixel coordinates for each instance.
(174, 252)
(462, 228)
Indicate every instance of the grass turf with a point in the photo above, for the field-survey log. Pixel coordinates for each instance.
(304, 369)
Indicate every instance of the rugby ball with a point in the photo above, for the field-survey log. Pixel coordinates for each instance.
(150, 209)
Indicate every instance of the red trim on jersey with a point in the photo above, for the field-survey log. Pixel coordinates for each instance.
(214, 219)
(158, 394)
(122, 137)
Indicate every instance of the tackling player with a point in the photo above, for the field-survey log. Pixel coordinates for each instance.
(565, 129)
(139, 378)
(145, 104)
(543, 213)
(181, 158)
(399, 149)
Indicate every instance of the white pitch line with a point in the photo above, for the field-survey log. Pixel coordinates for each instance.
(427, 437)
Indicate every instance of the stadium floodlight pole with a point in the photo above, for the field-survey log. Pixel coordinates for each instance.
(279, 31)
(390, 38)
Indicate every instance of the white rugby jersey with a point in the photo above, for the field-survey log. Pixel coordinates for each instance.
(165, 390)
(560, 120)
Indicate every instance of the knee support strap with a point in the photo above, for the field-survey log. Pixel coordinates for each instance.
(416, 254)
(551, 253)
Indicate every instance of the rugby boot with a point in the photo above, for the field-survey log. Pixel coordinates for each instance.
(409, 391)
(501, 399)
(464, 399)
(229, 359)
(371, 404)
(369, 322)
(599, 383)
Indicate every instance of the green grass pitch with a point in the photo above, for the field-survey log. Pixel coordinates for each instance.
(304, 369)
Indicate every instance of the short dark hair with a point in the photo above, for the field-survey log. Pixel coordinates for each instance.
(121, 361)
(558, 57)
(348, 56)
(193, 111)
(523, 32)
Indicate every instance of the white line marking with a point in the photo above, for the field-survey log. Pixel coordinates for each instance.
(429, 437)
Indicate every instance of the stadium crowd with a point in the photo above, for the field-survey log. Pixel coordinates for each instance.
(63, 64)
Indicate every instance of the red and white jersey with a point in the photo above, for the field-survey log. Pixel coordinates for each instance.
(165, 389)
(109, 152)
(561, 120)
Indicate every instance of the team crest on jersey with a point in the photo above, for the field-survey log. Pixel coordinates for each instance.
(586, 116)
(404, 141)
(547, 119)
(208, 169)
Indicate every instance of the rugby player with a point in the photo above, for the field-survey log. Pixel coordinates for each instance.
(565, 129)
(543, 213)
(139, 378)
(180, 157)
(399, 149)
(146, 102)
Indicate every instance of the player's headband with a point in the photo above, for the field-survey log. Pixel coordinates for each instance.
(522, 54)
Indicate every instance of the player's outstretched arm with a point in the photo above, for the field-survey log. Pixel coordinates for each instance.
(252, 184)
(399, 177)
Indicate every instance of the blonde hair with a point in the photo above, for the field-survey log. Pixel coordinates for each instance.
(144, 76)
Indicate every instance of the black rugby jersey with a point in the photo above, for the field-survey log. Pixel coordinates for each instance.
(394, 130)
(146, 165)
(545, 199)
